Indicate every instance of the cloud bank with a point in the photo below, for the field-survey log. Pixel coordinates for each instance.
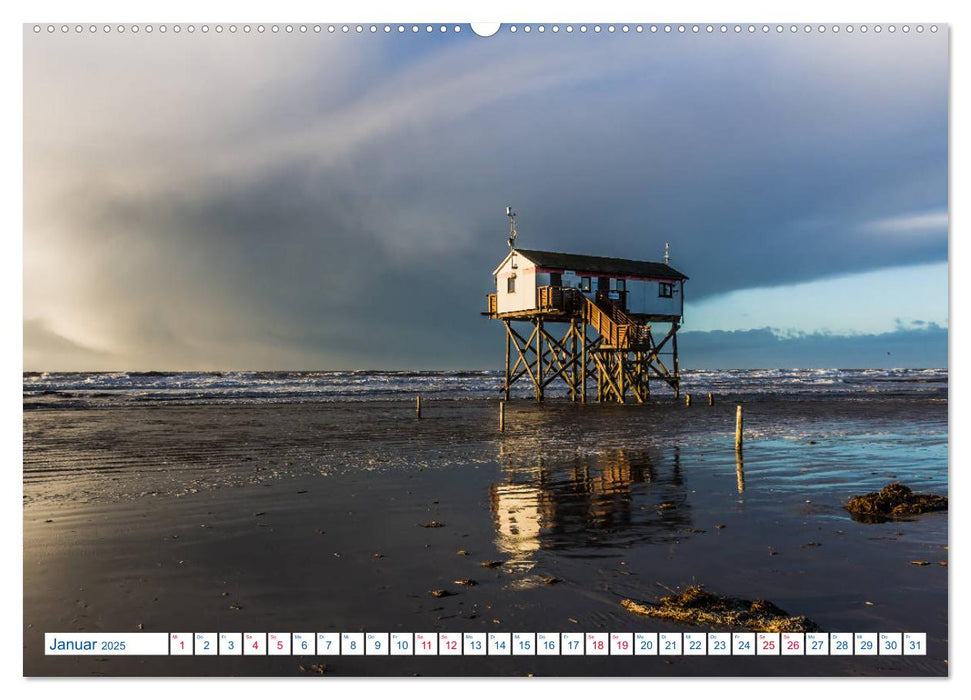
(922, 346)
(227, 202)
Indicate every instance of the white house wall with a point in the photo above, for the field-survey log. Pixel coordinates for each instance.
(524, 298)
(643, 298)
(642, 294)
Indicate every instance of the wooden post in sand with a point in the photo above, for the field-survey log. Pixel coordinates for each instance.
(418, 406)
(738, 429)
(687, 399)
(502, 416)
(739, 471)
(711, 399)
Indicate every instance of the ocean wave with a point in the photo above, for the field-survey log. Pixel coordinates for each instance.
(118, 388)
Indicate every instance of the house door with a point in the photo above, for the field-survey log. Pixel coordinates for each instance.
(603, 289)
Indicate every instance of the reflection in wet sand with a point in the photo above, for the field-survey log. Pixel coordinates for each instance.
(585, 505)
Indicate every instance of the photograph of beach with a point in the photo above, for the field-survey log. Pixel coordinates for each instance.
(537, 328)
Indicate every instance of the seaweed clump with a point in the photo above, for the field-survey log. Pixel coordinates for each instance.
(893, 501)
(696, 606)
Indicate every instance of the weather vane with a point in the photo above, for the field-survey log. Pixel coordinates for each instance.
(512, 227)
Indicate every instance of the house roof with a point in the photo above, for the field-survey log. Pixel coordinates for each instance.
(596, 264)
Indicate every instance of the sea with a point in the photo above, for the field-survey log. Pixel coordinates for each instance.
(113, 389)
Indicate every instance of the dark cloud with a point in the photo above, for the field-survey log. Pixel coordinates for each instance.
(340, 204)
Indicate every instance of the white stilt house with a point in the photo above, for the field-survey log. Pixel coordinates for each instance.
(611, 305)
(643, 290)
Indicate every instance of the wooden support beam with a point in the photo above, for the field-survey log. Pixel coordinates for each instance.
(605, 380)
(600, 378)
(560, 361)
(555, 375)
(668, 336)
(571, 357)
(622, 371)
(554, 347)
(583, 362)
(508, 350)
(573, 354)
(521, 373)
(643, 379)
(674, 350)
(635, 379)
(521, 352)
(539, 358)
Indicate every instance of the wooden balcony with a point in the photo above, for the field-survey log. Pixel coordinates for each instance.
(616, 328)
(492, 304)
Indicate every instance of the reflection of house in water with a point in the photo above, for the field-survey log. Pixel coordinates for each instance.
(588, 502)
(519, 520)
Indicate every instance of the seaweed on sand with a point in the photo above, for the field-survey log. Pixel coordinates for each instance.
(893, 501)
(696, 606)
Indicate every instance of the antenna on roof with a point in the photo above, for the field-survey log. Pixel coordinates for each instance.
(667, 253)
(513, 232)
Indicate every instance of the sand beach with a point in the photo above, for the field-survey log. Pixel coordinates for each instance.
(313, 517)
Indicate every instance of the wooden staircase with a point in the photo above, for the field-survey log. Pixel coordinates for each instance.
(617, 329)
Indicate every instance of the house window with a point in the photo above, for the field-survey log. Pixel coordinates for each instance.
(665, 289)
(511, 284)
(556, 279)
(584, 284)
(621, 285)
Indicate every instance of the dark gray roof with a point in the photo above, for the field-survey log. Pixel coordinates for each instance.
(593, 263)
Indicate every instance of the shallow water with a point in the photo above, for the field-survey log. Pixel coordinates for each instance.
(167, 516)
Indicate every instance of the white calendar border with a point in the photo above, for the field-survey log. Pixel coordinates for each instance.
(565, 10)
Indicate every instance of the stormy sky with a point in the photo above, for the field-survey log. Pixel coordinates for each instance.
(330, 201)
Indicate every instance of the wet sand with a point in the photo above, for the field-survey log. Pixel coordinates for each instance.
(269, 518)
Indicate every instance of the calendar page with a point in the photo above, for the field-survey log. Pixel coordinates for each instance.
(547, 348)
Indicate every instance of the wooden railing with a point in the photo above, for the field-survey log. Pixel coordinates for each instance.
(544, 298)
(638, 333)
(614, 333)
(552, 298)
(617, 328)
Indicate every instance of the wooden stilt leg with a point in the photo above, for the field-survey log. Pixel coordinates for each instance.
(600, 383)
(621, 371)
(573, 358)
(508, 349)
(674, 351)
(539, 359)
(583, 362)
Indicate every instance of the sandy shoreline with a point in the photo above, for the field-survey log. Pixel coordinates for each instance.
(268, 518)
